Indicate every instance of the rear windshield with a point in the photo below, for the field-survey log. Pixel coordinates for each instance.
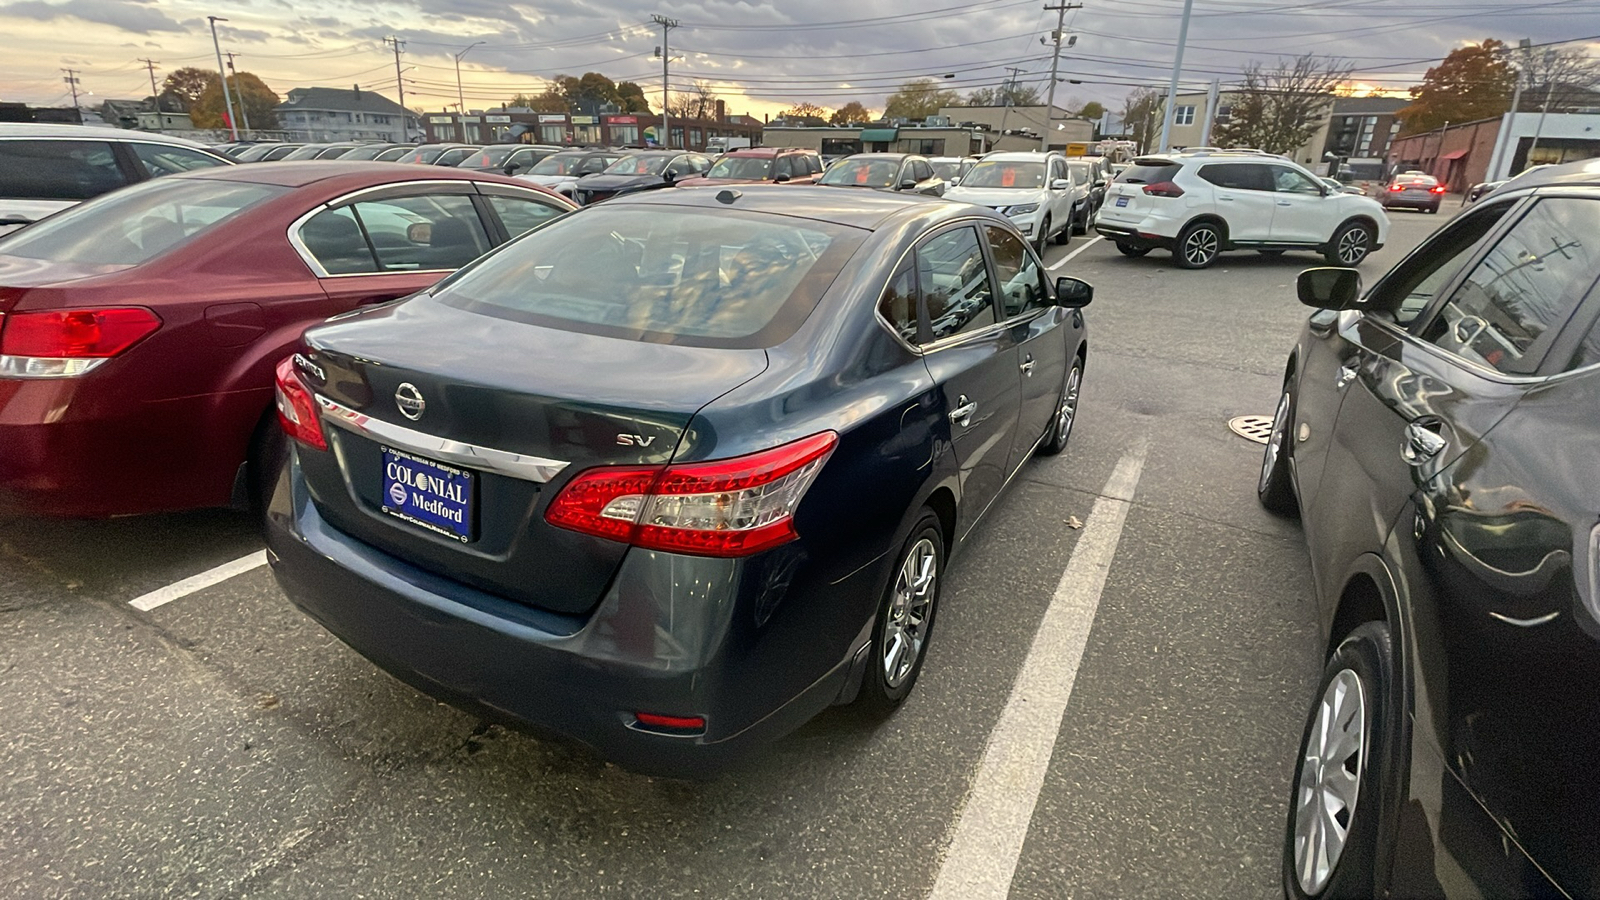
(1416, 179)
(423, 155)
(366, 152)
(309, 151)
(488, 157)
(137, 223)
(713, 279)
(999, 174)
(1143, 172)
(863, 172)
(751, 167)
(556, 165)
(637, 165)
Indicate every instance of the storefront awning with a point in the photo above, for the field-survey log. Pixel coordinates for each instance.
(1454, 154)
(873, 135)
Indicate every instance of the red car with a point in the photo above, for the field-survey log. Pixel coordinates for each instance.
(139, 331)
(753, 165)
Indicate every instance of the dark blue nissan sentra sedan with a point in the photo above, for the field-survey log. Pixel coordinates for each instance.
(670, 475)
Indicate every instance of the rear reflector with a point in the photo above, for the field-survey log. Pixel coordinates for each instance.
(671, 723)
(297, 411)
(728, 507)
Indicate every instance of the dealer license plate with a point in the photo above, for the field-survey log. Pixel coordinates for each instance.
(1122, 201)
(429, 494)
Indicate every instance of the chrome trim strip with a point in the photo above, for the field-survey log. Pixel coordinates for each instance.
(1527, 623)
(516, 465)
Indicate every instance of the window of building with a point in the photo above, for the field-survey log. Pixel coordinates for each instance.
(624, 134)
(1224, 115)
(697, 137)
(552, 134)
(1183, 115)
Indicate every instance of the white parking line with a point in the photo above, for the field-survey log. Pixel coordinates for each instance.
(988, 834)
(179, 589)
(1074, 254)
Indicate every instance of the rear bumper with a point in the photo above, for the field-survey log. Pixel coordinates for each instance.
(671, 636)
(1432, 201)
(1133, 237)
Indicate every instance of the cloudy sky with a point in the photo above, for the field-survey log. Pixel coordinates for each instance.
(763, 55)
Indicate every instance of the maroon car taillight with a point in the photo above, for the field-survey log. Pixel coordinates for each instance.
(297, 409)
(1163, 189)
(727, 507)
(67, 342)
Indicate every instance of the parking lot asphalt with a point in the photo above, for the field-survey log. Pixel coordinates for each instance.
(224, 745)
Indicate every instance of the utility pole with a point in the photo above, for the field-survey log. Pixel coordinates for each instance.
(1549, 89)
(461, 100)
(243, 113)
(72, 82)
(1177, 69)
(1504, 148)
(155, 95)
(399, 80)
(227, 99)
(1212, 99)
(1055, 65)
(666, 56)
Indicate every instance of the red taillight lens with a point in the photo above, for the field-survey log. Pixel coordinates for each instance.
(1436, 189)
(1163, 189)
(1397, 187)
(76, 333)
(728, 507)
(297, 409)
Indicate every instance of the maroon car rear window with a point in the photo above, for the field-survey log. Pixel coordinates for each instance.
(138, 223)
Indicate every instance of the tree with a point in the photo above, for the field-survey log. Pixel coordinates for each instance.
(1010, 93)
(187, 84)
(698, 103)
(551, 101)
(1093, 111)
(807, 110)
(919, 99)
(1141, 112)
(1279, 109)
(633, 97)
(248, 92)
(850, 112)
(1561, 78)
(1473, 82)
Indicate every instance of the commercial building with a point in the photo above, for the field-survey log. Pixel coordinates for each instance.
(1007, 122)
(843, 140)
(576, 130)
(336, 114)
(1360, 129)
(1494, 149)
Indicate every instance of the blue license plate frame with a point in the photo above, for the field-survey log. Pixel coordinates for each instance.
(431, 495)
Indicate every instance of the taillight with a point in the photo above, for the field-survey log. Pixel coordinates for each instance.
(1397, 187)
(67, 342)
(297, 409)
(1436, 189)
(727, 507)
(1163, 189)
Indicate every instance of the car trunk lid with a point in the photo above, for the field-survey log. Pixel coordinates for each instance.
(485, 420)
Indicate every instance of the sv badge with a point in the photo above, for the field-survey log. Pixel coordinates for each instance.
(635, 440)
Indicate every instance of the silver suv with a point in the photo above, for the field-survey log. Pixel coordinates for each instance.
(1198, 205)
(47, 168)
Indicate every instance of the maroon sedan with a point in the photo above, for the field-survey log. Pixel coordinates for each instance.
(139, 331)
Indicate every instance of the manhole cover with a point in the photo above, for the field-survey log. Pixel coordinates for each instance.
(1252, 428)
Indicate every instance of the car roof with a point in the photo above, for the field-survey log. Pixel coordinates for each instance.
(765, 152)
(856, 208)
(90, 132)
(303, 172)
(1018, 155)
(879, 155)
(1583, 173)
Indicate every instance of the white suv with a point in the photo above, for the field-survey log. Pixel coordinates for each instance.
(1030, 188)
(1200, 204)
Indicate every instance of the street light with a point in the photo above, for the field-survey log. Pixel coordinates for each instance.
(460, 99)
(222, 73)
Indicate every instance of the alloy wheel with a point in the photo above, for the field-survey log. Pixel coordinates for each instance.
(1069, 406)
(910, 612)
(1269, 459)
(1353, 246)
(1330, 781)
(1200, 247)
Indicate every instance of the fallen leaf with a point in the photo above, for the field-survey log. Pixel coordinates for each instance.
(1073, 523)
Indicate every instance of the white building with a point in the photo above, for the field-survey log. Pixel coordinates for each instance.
(336, 114)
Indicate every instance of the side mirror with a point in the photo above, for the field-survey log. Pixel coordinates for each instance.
(779, 179)
(1073, 293)
(669, 176)
(955, 182)
(1100, 182)
(1329, 287)
(1060, 184)
(910, 184)
(419, 232)
(511, 167)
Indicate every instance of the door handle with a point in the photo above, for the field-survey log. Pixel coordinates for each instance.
(962, 414)
(1284, 203)
(1347, 374)
(1225, 199)
(1027, 366)
(1423, 442)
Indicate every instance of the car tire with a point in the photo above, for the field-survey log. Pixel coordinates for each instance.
(1274, 487)
(1043, 236)
(1131, 250)
(905, 619)
(1062, 238)
(1080, 224)
(1349, 245)
(1198, 246)
(269, 450)
(1066, 411)
(1351, 725)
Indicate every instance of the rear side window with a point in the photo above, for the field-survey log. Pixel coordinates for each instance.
(58, 170)
(899, 303)
(134, 225)
(164, 160)
(1238, 176)
(714, 279)
(954, 282)
(1149, 173)
(408, 234)
(1511, 305)
(334, 238)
